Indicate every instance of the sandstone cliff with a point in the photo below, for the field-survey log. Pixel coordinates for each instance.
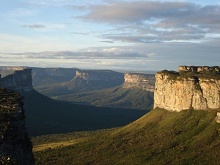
(187, 89)
(19, 79)
(15, 146)
(139, 81)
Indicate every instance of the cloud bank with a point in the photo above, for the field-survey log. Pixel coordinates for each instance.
(154, 21)
(91, 53)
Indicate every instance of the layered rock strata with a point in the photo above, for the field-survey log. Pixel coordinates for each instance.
(15, 146)
(181, 91)
(140, 81)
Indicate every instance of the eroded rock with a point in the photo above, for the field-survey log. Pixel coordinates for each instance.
(176, 92)
(140, 81)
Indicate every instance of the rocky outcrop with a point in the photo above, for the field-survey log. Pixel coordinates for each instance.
(217, 119)
(139, 81)
(198, 68)
(181, 91)
(15, 146)
(19, 80)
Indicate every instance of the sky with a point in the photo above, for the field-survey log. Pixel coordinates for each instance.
(131, 35)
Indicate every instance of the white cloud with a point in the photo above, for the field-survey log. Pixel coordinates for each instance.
(91, 53)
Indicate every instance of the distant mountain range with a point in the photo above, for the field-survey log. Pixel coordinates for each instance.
(191, 136)
(47, 116)
(102, 88)
(81, 80)
(105, 97)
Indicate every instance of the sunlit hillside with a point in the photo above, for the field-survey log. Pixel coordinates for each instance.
(159, 137)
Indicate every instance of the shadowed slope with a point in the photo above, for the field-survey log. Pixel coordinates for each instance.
(47, 116)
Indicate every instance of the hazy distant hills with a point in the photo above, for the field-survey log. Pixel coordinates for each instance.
(102, 88)
(117, 97)
(83, 80)
(48, 76)
(47, 116)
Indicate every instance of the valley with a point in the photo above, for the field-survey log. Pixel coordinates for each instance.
(116, 97)
(110, 82)
(104, 88)
(169, 118)
(47, 116)
(159, 137)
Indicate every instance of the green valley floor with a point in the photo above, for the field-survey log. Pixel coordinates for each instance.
(159, 137)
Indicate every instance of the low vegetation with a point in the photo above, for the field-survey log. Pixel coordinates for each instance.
(159, 137)
(187, 74)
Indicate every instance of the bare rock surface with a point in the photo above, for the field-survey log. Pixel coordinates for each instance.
(140, 81)
(187, 90)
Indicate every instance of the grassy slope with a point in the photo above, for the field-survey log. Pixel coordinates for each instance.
(53, 89)
(47, 116)
(159, 137)
(117, 97)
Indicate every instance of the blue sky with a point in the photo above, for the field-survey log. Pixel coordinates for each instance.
(110, 34)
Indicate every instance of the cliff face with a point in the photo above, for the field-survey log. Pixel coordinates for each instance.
(15, 146)
(179, 91)
(140, 81)
(19, 80)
